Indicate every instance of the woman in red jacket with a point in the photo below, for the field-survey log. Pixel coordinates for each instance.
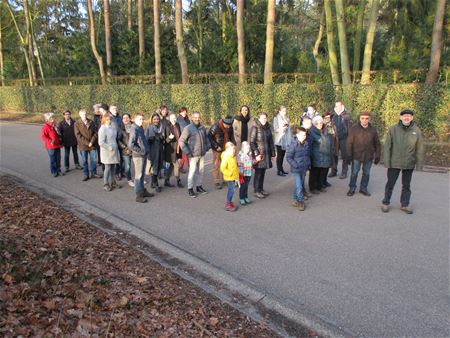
(52, 140)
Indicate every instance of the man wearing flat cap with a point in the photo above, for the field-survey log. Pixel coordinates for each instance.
(403, 151)
(219, 134)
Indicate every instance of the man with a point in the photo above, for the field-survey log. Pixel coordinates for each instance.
(219, 134)
(194, 142)
(183, 121)
(116, 121)
(98, 123)
(403, 150)
(66, 127)
(363, 147)
(343, 121)
(86, 134)
(139, 147)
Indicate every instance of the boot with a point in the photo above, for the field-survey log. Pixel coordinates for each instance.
(147, 194)
(179, 184)
(191, 193)
(301, 206)
(167, 183)
(140, 197)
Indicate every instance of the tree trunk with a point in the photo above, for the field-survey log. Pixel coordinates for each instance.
(36, 49)
(98, 57)
(107, 39)
(365, 78)
(156, 42)
(29, 40)
(343, 49)
(179, 39)
(223, 20)
(141, 32)
(435, 57)
(270, 33)
(2, 73)
(129, 11)
(241, 40)
(318, 40)
(332, 56)
(200, 35)
(358, 39)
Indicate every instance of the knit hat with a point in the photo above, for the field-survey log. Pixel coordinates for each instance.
(407, 111)
(228, 120)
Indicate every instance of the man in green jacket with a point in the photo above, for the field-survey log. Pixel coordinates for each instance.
(403, 150)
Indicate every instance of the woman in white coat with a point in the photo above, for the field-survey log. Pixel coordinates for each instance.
(282, 137)
(109, 152)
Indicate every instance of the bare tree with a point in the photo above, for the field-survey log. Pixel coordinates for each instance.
(436, 41)
(2, 73)
(270, 33)
(345, 65)
(180, 43)
(358, 38)
(365, 78)
(241, 40)
(140, 10)
(332, 57)
(107, 39)
(156, 41)
(129, 12)
(26, 14)
(98, 57)
(318, 41)
(36, 48)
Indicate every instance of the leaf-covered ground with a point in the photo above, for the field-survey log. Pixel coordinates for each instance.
(60, 276)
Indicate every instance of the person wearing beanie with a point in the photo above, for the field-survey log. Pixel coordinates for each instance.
(219, 134)
(403, 151)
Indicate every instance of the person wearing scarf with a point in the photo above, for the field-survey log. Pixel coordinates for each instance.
(172, 150)
(219, 134)
(242, 124)
(155, 137)
(52, 139)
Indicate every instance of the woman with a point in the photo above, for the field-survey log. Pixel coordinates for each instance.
(321, 154)
(242, 124)
(282, 131)
(123, 143)
(52, 139)
(109, 152)
(172, 150)
(263, 151)
(155, 138)
(331, 129)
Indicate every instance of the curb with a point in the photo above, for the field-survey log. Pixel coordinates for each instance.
(281, 318)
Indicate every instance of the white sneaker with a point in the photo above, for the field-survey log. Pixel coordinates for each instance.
(131, 183)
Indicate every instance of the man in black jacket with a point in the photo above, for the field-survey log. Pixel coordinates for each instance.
(69, 141)
(363, 145)
(343, 122)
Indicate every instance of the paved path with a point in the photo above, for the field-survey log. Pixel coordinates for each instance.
(342, 260)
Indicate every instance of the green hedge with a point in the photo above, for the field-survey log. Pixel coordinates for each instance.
(385, 101)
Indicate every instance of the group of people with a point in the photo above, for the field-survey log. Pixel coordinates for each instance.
(241, 146)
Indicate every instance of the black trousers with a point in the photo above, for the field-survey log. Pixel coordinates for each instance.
(392, 176)
(258, 180)
(280, 157)
(67, 155)
(343, 150)
(317, 177)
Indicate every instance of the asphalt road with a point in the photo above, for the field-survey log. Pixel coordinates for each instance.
(342, 260)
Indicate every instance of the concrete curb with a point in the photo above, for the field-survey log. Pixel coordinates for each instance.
(281, 318)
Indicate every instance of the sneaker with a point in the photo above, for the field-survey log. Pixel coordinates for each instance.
(364, 192)
(201, 190)
(131, 183)
(350, 192)
(307, 194)
(385, 208)
(106, 187)
(85, 178)
(265, 193)
(301, 206)
(295, 204)
(259, 195)
(191, 193)
(242, 201)
(229, 206)
(218, 186)
(55, 174)
(60, 173)
(247, 201)
(406, 210)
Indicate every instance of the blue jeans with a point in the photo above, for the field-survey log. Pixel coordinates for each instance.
(243, 190)
(127, 167)
(90, 155)
(55, 160)
(139, 173)
(230, 192)
(299, 179)
(356, 166)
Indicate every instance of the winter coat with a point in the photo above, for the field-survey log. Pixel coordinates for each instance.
(68, 133)
(343, 122)
(403, 148)
(138, 143)
(321, 148)
(50, 136)
(363, 144)
(331, 128)
(194, 141)
(261, 143)
(183, 122)
(123, 140)
(155, 138)
(298, 156)
(107, 140)
(282, 136)
(85, 134)
(245, 163)
(229, 167)
(239, 123)
(217, 136)
(172, 149)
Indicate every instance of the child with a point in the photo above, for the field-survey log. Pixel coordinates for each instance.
(299, 159)
(230, 171)
(245, 163)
